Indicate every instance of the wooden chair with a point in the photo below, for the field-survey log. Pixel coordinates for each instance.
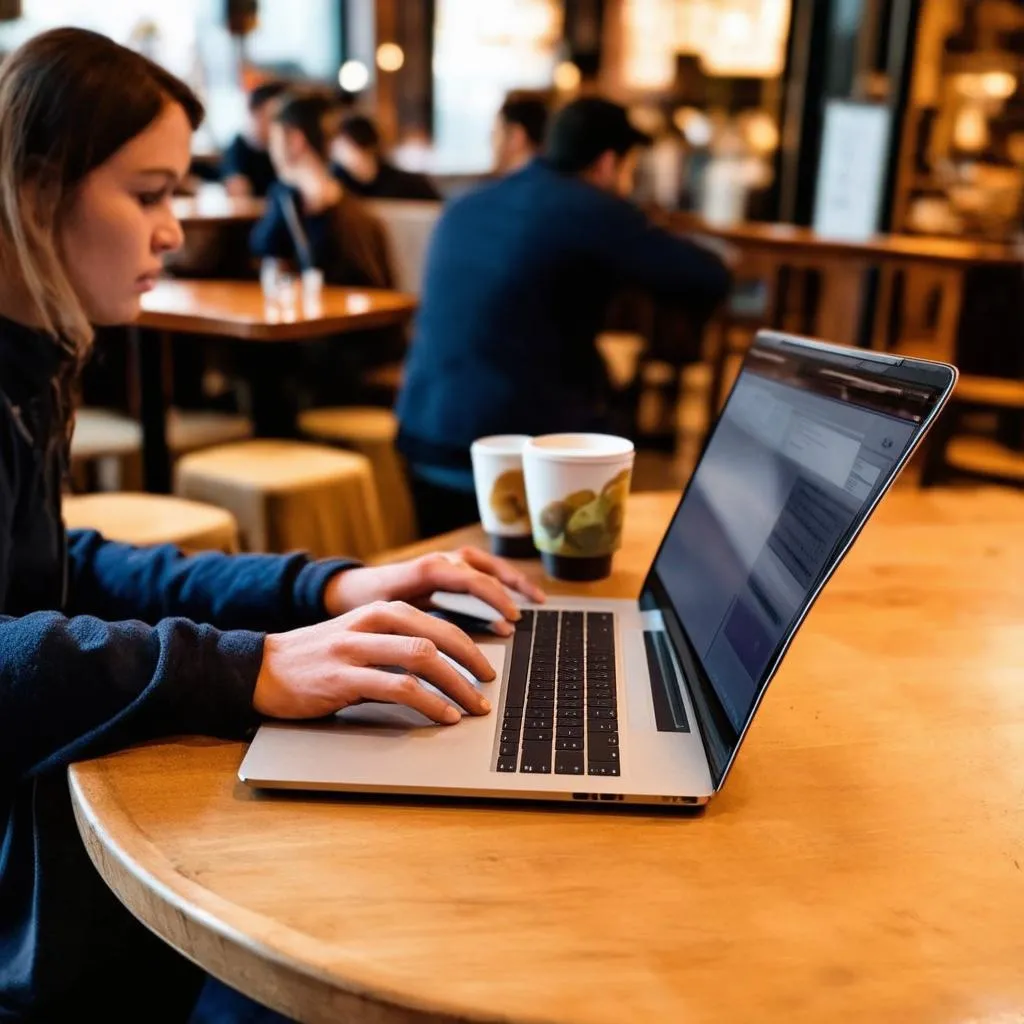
(953, 451)
(288, 495)
(371, 432)
(146, 519)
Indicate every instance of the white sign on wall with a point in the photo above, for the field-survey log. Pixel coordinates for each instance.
(851, 172)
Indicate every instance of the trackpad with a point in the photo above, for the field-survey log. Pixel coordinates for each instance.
(397, 716)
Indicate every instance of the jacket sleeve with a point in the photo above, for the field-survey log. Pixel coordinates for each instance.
(270, 236)
(270, 593)
(670, 266)
(79, 687)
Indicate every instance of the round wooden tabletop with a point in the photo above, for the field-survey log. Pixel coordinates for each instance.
(237, 309)
(865, 859)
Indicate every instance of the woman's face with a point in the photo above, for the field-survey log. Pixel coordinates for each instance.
(120, 223)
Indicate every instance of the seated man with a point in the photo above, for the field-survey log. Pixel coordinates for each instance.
(517, 280)
(519, 128)
(360, 167)
(311, 219)
(246, 168)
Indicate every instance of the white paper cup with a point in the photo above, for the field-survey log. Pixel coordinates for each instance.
(501, 494)
(576, 488)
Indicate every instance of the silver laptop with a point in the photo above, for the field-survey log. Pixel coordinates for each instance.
(648, 700)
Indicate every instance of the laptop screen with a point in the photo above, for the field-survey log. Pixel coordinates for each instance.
(805, 444)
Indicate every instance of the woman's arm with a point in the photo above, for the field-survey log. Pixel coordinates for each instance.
(269, 593)
(79, 687)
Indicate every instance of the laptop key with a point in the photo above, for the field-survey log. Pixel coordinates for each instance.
(568, 732)
(602, 726)
(569, 744)
(509, 749)
(507, 764)
(599, 749)
(568, 762)
(602, 769)
(602, 713)
(538, 734)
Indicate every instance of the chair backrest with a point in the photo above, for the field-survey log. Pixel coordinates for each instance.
(409, 224)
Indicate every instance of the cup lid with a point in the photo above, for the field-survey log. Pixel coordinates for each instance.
(579, 447)
(500, 444)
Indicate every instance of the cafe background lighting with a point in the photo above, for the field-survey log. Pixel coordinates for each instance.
(354, 76)
(390, 57)
(567, 76)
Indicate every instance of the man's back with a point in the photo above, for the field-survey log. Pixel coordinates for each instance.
(518, 277)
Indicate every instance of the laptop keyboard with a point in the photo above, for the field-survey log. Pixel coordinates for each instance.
(560, 713)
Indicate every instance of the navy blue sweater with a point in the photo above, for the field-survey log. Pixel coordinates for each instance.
(102, 645)
(518, 278)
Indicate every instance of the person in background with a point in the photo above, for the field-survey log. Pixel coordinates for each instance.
(246, 168)
(359, 165)
(311, 218)
(103, 645)
(518, 277)
(519, 130)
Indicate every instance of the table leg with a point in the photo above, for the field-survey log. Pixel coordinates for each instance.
(156, 458)
(272, 376)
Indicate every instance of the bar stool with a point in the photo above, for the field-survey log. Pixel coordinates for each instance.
(371, 432)
(146, 519)
(107, 445)
(288, 495)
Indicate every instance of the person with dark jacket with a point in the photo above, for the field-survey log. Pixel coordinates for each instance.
(312, 219)
(518, 278)
(103, 645)
(359, 164)
(246, 168)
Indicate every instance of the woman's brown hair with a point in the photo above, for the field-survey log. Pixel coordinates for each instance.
(69, 99)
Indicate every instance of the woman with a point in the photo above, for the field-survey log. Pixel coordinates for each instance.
(102, 645)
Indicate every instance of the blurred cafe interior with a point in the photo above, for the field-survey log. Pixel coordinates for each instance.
(863, 161)
(405, 225)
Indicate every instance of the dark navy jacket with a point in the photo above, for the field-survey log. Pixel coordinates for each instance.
(518, 278)
(102, 645)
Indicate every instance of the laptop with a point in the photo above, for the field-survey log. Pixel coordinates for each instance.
(647, 701)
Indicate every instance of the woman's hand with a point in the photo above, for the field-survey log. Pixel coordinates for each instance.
(320, 669)
(467, 571)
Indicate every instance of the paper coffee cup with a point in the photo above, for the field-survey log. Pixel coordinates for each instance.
(576, 487)
(501, 494)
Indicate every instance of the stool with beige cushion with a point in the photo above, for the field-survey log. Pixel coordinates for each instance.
(145, 519)
(110, 443)
(371, 432)
(288, 495)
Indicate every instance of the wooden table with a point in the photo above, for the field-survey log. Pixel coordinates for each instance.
(840, 315)
(864, 862)
(236, 309)
(214, 207)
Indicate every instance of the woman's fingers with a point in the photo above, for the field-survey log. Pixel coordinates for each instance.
(401, 618)
(374, 684)
(490, 564)
(461, 579)
(418, 656)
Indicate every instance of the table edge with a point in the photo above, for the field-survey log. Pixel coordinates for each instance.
(176, 917)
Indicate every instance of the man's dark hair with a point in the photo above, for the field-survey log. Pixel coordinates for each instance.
(529, 110)
(584, 129)
(361, 132)
(264, 93)
(307, 114)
